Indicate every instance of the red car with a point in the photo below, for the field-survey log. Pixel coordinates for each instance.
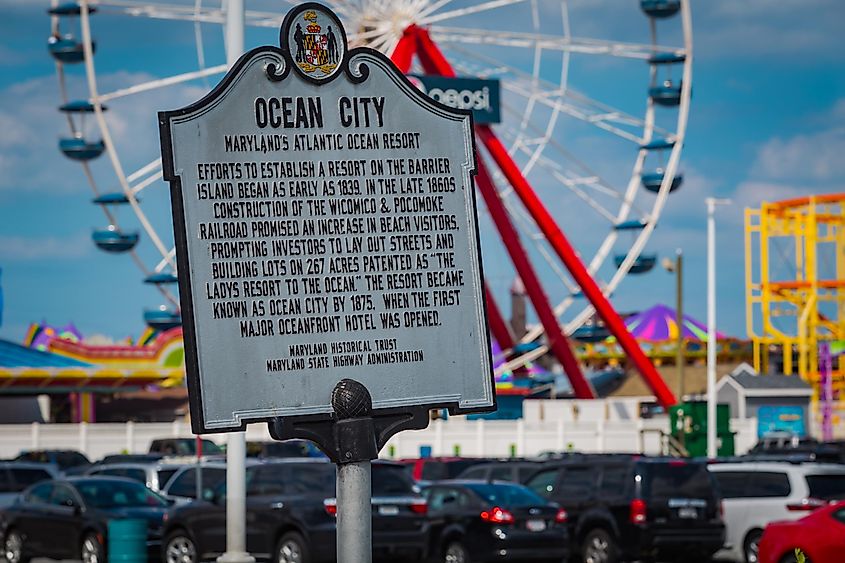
(820, 536)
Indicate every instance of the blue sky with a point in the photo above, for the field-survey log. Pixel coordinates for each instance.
(767, 122)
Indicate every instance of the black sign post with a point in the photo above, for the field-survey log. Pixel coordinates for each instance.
(328, 251)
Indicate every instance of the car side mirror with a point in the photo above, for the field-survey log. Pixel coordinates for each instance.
(69, 503)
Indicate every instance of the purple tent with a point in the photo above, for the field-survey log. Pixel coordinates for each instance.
(659, 323)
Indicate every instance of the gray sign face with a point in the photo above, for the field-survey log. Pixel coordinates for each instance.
(326, 229)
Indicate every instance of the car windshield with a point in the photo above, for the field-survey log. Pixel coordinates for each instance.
(679, 480)
(510, 496)
(827, 487)
(117, 494)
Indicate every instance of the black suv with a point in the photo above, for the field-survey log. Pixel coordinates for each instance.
(290, 514)
(625, 507)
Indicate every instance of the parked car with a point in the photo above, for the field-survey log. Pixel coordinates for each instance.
(427, 469)
(154, 475)
(183, 446)
(68, 462)
(756, 493)
(494, 520)
(68, 519)
(632, 507)
(291, 513)
(286, 448)
(820, 536)
(16, 476)
(515, 471)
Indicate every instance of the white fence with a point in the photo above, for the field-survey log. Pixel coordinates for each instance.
(499, 438)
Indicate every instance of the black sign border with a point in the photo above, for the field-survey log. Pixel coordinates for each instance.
(189, 335)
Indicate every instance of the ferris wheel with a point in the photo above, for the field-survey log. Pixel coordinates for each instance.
(590, 137)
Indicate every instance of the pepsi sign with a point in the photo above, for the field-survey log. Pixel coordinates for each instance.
(481, 96)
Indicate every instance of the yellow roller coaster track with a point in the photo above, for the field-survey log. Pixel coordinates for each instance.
(796, 299)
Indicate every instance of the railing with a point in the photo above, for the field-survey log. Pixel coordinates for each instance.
(669, 445)
(490, 438)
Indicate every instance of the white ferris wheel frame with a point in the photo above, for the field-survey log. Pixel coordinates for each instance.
(560, 99)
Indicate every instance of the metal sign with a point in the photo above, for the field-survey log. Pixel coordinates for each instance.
(479, 95)
(325, 227)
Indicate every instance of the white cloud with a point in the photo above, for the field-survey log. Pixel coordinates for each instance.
(19, 248)
(807, 158)
(812, 157)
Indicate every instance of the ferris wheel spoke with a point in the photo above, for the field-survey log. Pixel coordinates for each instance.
(139, 187)
(592, 180)
(198, 42)
(588, 179)
(433, 8)
(525, 225)
(166, 262)
(572, 103)
(477, 36)
(156, 10)
(163, 82)
(573, 184)
(460, 12)
(144, 170)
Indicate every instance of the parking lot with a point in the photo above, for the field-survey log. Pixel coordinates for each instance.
(575, 507)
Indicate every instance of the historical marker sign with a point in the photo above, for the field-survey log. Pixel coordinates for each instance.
(325, 227)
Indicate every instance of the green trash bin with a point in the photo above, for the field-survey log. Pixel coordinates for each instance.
(688, 425)
(127, 541)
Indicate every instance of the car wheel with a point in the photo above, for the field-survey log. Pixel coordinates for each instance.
(13, 548)
(179, 548)
(292, 549)
(751, 546)
(456, 552)
(599, 547)
(92, 549)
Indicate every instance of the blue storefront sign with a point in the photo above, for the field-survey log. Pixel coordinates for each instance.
(781, 419)
(476, 94)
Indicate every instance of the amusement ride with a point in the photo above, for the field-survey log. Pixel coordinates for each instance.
(795, 292)
(531, 173)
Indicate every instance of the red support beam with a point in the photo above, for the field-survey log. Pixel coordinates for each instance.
(402, 56)
(404, 51)
(434, 62)
(554, 335)
(497, 323)
(430, 53)
(569, 257)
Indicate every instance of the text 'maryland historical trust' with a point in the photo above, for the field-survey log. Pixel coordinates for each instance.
(325, 228)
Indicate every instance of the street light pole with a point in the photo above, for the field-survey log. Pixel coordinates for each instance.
(711, 323)
(677, 267)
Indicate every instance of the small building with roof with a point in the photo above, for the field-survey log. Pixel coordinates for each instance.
(780, 403)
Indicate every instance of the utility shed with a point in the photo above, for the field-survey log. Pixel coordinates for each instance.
(780, 403)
